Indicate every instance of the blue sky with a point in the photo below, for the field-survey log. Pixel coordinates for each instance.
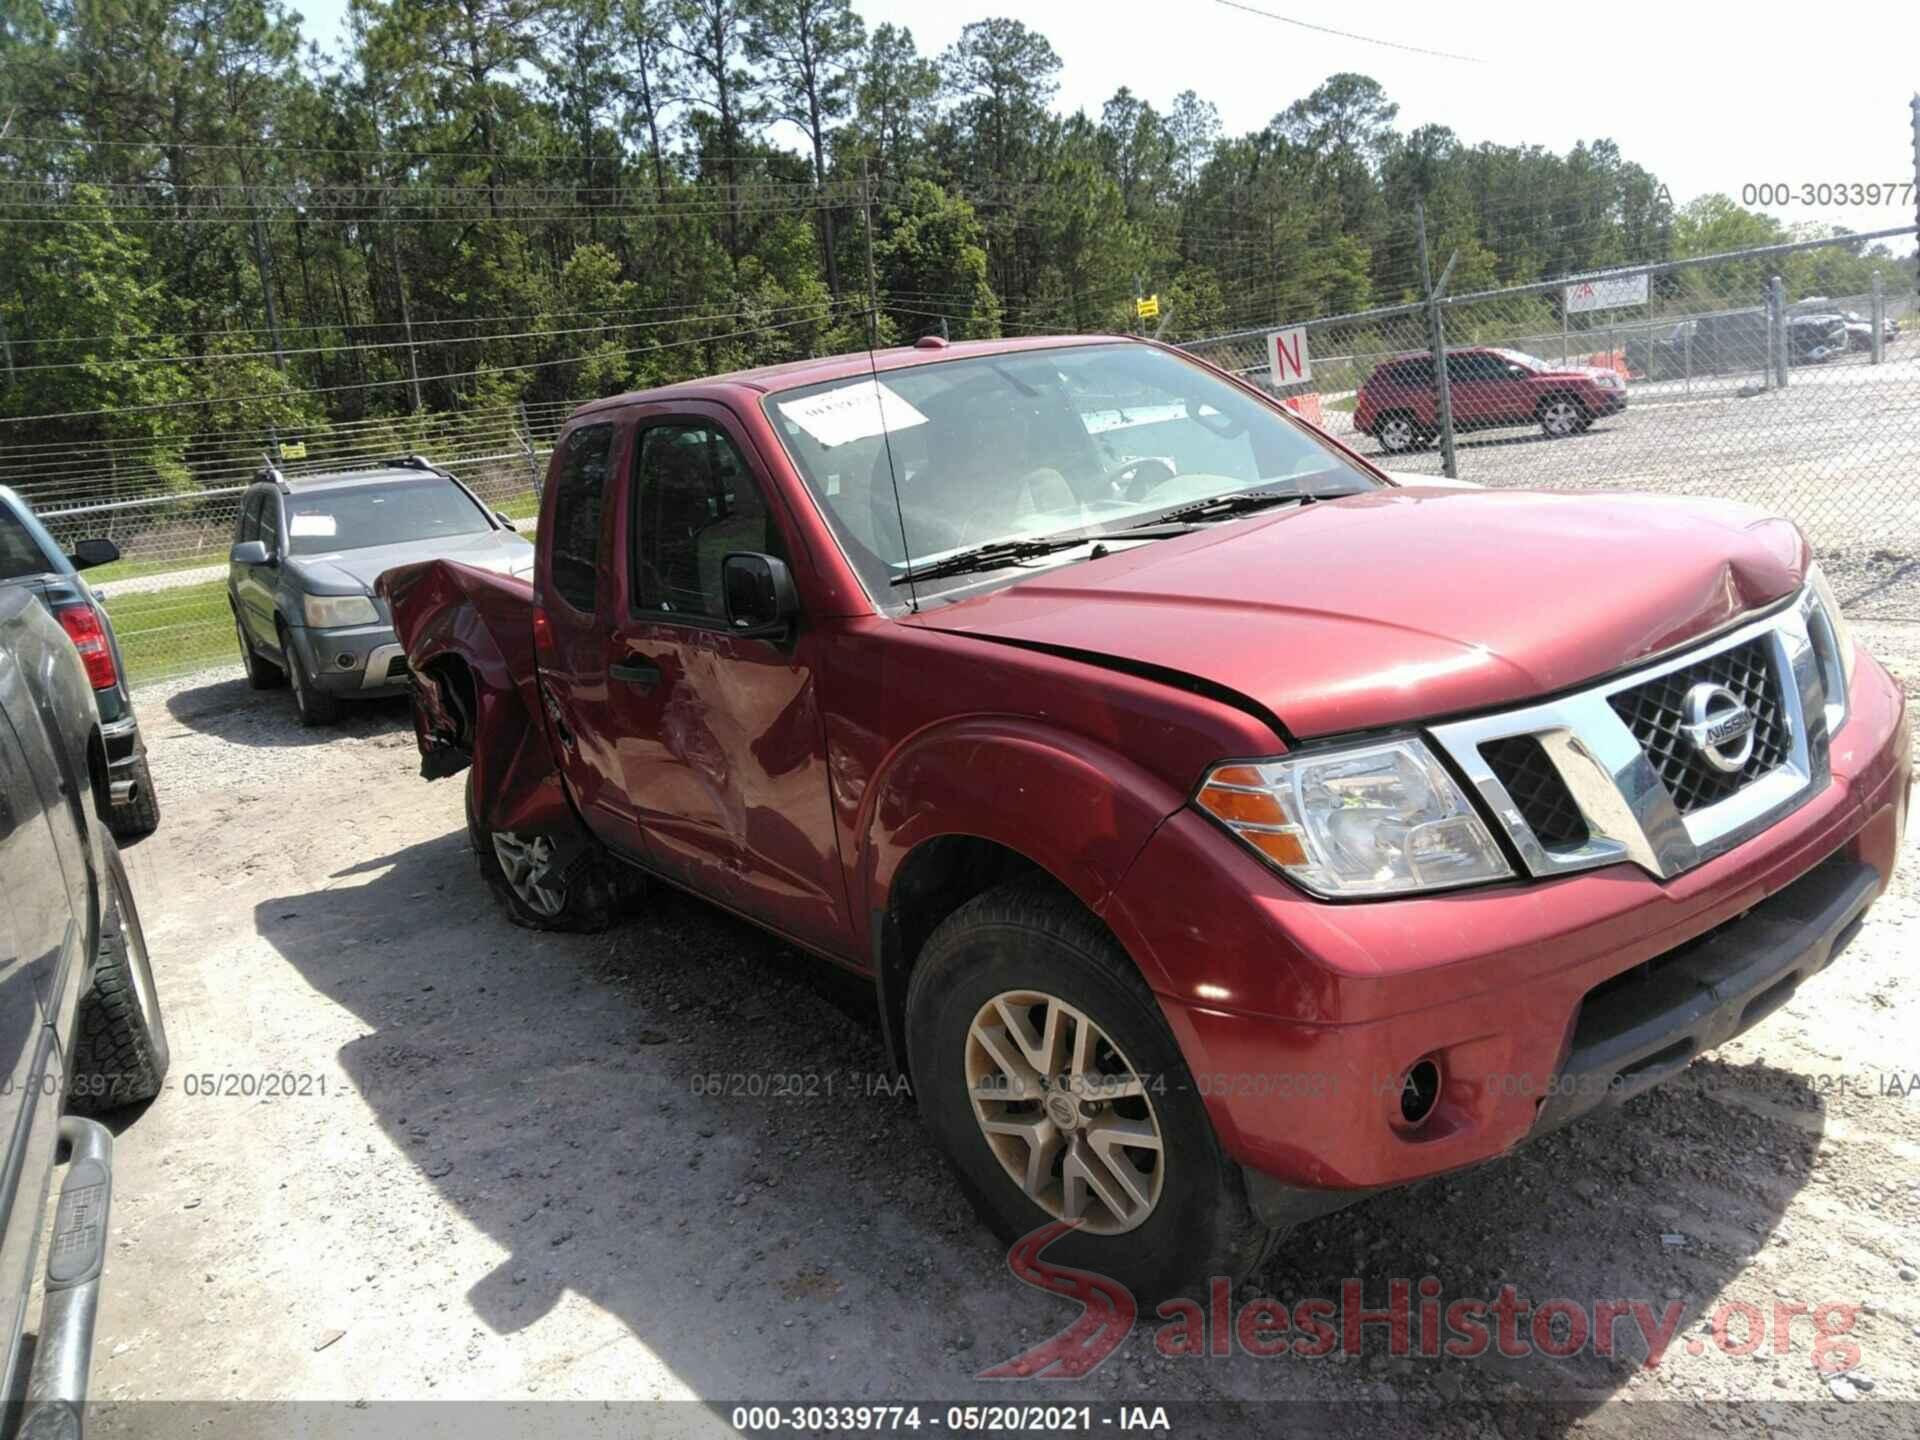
(1709, 97)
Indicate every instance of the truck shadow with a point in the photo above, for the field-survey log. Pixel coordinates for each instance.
(692, 1126)
(235, 712)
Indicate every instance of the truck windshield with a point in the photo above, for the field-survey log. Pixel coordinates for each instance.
(363, 515)
(927, 461)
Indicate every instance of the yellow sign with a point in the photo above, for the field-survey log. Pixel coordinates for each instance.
(297, 450)
(1149, 308)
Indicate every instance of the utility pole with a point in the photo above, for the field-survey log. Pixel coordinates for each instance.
(873, 292)
(265, 266)
(1437, 337)
(406, 320)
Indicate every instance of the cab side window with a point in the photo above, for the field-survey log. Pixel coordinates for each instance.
(695, 504)
(580, 491)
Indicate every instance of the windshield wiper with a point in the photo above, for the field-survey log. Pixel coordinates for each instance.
(1237, 502)
(988, 557)
(1000, 553)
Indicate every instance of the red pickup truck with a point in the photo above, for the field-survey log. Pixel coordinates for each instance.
(1228, 829)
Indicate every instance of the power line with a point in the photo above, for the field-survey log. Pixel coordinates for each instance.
(1348, 34)
(209, 400)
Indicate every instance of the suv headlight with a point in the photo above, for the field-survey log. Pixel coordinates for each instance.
(1380, 819)
(1832, 643)
(324, 612)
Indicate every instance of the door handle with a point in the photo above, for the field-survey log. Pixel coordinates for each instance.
(636, 670)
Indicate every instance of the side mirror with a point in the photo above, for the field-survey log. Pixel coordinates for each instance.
(250, 552)
(759, 592)
(89, 553)
(506, 520)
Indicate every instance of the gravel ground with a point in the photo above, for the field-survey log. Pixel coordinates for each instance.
(493, 1171)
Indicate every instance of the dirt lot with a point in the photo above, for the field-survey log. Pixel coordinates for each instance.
(492, 1170)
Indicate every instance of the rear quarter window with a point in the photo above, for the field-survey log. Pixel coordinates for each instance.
(20, 554)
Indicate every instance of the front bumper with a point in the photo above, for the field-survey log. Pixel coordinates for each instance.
(360, 660)
(1299, 1018)
(1611, 402)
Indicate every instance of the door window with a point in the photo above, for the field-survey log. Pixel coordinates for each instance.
(270, 523)
(696, 503)
(580, 486)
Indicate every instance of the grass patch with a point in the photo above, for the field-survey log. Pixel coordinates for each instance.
(167, 632)
(1345, 402)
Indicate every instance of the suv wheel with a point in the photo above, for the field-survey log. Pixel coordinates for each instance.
(1561, 416)
(315, 705)
(1398, 433)
(120, 1041)
(261, 674)
(1049, 1078)
(589, 893)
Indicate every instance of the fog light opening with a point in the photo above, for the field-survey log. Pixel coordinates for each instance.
(344, 660)
(1419, 1091)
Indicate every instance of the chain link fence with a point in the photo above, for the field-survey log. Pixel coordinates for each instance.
(171, 508)
(1717, 380)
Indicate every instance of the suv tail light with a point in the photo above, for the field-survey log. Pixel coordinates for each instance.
(89, 637)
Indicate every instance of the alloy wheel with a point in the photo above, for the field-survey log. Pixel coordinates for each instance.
(1397, 434)
(1562, 417)
(528, 865)
(1064, 1112)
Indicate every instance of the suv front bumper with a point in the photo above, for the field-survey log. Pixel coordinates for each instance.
(1299, 1019)
(361, 660)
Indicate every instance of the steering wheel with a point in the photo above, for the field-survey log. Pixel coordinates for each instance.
(1137, 479)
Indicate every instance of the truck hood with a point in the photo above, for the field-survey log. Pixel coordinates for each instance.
(500, 551)
(1406, 604)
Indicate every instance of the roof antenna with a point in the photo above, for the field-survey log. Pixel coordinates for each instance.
(886, 437)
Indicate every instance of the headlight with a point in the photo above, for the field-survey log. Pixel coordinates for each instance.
(1832, 644)
(1378, 819)
(324, 612)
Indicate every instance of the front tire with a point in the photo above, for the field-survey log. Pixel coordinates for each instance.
(1038, 1114)
(140, 816)
(315, 706)
(1399, 433)
(120, 1039)
(261, 674)
(1561, 416)
(585, 895)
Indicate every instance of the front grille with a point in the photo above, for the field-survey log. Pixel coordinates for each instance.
(1520, 763)
(1652, 711)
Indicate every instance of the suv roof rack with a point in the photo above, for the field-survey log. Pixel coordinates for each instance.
(270, 472)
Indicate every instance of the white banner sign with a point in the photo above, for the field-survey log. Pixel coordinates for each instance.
(1287, 362)
(1616, 292)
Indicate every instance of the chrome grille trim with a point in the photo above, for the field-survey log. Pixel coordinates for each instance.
(1630, 814)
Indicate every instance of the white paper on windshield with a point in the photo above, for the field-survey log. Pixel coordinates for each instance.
(852, 412)
(310, 524)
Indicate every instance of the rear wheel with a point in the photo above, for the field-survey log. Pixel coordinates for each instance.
(540, 888)
(1048, 1075)
(1399, 433)
(140, 816)
(120, 1040)
(315, 705)
(1561, 416)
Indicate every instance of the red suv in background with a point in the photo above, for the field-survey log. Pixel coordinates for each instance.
(1399, 405)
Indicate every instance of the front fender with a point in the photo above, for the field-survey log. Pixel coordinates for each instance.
(1077, 809)
(468, 635)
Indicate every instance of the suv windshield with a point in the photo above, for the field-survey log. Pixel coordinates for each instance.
(361, 515)
(1027, 444)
